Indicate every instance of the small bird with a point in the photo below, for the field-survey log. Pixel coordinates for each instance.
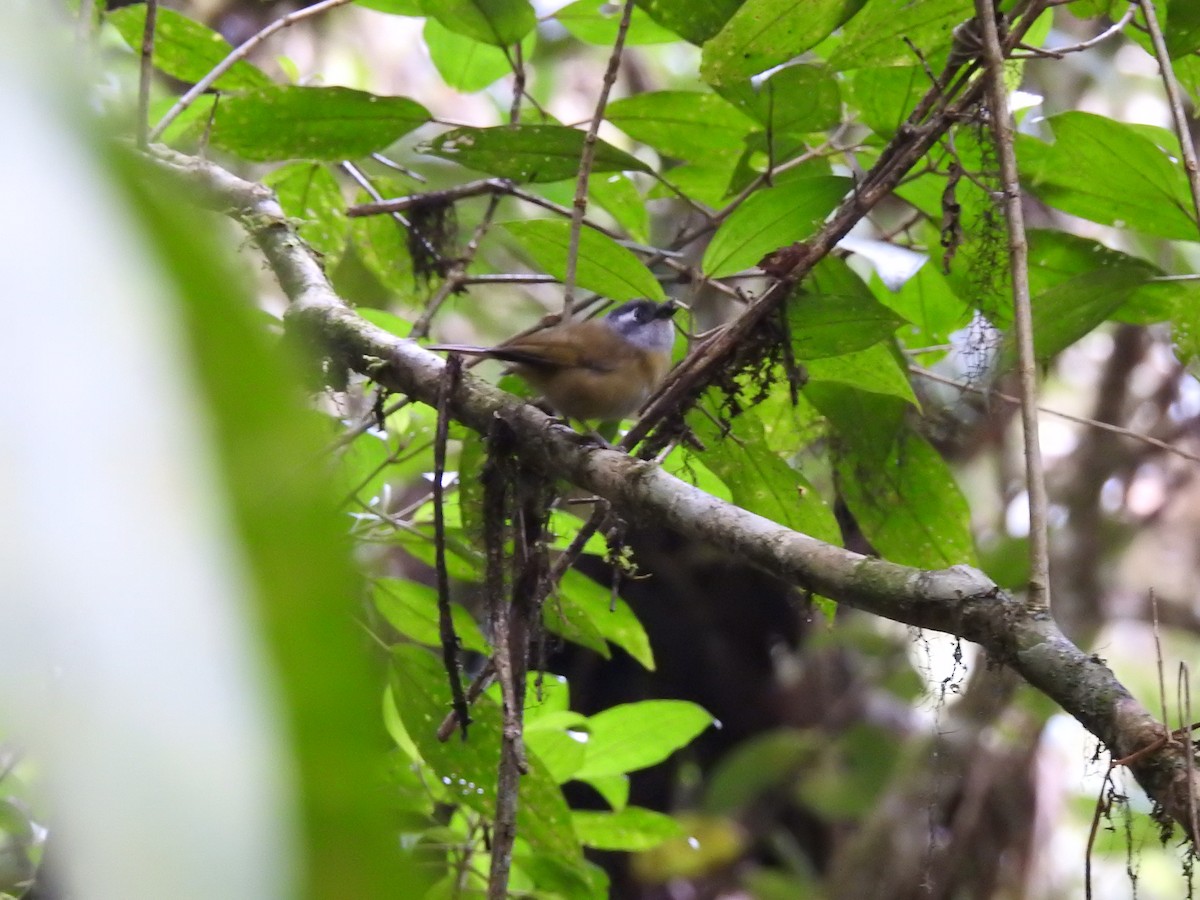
(602, 369)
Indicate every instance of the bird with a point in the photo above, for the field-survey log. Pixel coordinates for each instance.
(601, 369)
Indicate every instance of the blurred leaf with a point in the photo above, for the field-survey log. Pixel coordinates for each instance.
(528, 153)
(770, 219)
(848, 782)
(309, 192)
(498, 22)
(396, 7)
(596, 21)
(765, 33)
(295, 547)
(466, 64)
(185, 49)
(687, 125)
(632, 828)
(412, 609)
(763, 764)
(603, 265)
(875, 37)
(469, 768)
(633, 736)
(382, 245)
(1111, 173)
(330, 123)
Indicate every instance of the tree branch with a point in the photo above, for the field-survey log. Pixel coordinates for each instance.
(959, 600)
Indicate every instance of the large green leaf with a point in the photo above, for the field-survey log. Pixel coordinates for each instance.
(498, 22)
(840, 316)
(615, 622)
(687, 125)
(876, 36)
(634, 736)
(765, 33)
(901, 492)
(885, 96)
(798, 99)
(467, 64)
(469, 768)
(1111, 173)
(603, 265)
(528, 153)
(874, 369)
(693, 20)
(770, 219)
(1066, 312)
(330, 123)
(411, 608)
(185, 49)
(759, 479)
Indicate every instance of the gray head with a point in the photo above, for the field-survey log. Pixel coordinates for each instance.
(645, 323)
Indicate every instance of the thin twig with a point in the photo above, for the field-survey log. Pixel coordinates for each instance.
(1116, 28)
(1018, 247)
(579, 206)
(1175, 99)
(1081, 420)
(1184, 702)
(147, 67)
(239, 53)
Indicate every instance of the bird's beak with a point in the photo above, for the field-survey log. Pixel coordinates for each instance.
(666, 310)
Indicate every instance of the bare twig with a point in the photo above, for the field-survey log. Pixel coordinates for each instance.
(579, 206)
(239, 53)
(147, 68)
(1081, 420)
(1114, 29)
(1175, 99)
(1035, 477)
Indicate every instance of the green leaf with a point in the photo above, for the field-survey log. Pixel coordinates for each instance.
(618, 196)
(693, 20)
(613, 788)
(770, 219)
(596, 22)
(795, 99)
(412, 609)
(841, 318)
(499, 22)
(616, 623)
(309, 192)
(330, 123)
(930, 304)
(528, 153)
(765, 33)
(874, 369)
(876, 36)
(185, 49)
(469, 768)
(900, 491)
(603, 265)
(466, 64)
(633, 736)
(632, 828)
(885, 96)
(760, 480)
(1069, 310)
(1111, 173)
(382, 245)
(687, 125)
